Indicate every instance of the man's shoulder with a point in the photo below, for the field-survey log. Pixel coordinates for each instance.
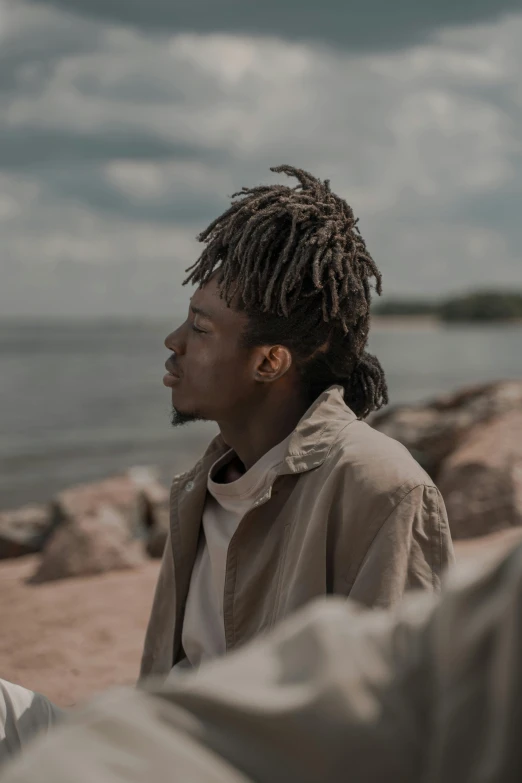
(375, 460)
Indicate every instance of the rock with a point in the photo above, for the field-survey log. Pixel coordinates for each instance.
(24, 531)
(433, 431)
(156, 516)
(138, 497)
(146, 481)
(486, 546)
(130, 495)
(119, 492)
(92, 543)
(481, 482)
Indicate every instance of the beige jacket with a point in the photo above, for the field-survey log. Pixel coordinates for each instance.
(430, 692)
(350, 513)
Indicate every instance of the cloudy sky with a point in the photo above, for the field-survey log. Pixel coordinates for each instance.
(126, 124)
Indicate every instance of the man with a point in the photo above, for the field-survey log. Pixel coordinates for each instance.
(296, 497)
(430, 691)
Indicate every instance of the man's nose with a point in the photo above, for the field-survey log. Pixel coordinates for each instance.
(175, 341)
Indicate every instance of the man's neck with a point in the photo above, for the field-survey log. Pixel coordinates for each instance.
(252, 435)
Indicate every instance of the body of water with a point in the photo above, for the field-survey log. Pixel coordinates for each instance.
(79, 402)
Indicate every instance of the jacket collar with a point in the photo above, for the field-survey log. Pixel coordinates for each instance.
(311, 440)
(316, 432)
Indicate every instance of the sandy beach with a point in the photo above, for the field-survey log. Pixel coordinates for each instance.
(72, 638)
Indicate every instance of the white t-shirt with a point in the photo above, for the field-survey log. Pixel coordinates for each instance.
(203, 635)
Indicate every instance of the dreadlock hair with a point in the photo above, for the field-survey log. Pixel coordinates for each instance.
(297, 264)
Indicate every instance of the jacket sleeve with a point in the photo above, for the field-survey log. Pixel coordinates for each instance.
(412, 548)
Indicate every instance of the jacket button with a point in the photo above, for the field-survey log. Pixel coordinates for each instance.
(189, 486)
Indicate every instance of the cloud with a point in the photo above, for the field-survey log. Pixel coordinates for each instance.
(60, 259)
(25, 147)
(356, 26)
(33, 38)
(120, 153)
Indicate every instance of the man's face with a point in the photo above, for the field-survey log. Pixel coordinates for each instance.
(210, 373)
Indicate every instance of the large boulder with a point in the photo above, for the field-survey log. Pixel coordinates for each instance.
(137, 495)
(121, 493)
(434, 430)
(156, 513)
(481, 482)
(93, 543)
(24, 531)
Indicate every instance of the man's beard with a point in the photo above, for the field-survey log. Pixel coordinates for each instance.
(178, 419)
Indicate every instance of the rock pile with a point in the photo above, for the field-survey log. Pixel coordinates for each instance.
(92, 543)
(24, 530)
(91, 528)
(471, 445)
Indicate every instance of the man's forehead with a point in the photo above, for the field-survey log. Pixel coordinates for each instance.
(204, 298)
(207, 302)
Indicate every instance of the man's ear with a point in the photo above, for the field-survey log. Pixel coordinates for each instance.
(272, 362)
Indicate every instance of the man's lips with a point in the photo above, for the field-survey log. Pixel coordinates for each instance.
(172, 377)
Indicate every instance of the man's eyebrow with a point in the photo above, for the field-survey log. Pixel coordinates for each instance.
(198, 311)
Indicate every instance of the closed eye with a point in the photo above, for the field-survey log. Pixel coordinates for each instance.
(195, 329)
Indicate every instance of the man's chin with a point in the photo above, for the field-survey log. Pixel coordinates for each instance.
(179, 418)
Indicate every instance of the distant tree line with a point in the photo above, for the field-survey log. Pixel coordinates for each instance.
(477, 306)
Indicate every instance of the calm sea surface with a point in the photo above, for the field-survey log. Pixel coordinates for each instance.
(81, 401)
